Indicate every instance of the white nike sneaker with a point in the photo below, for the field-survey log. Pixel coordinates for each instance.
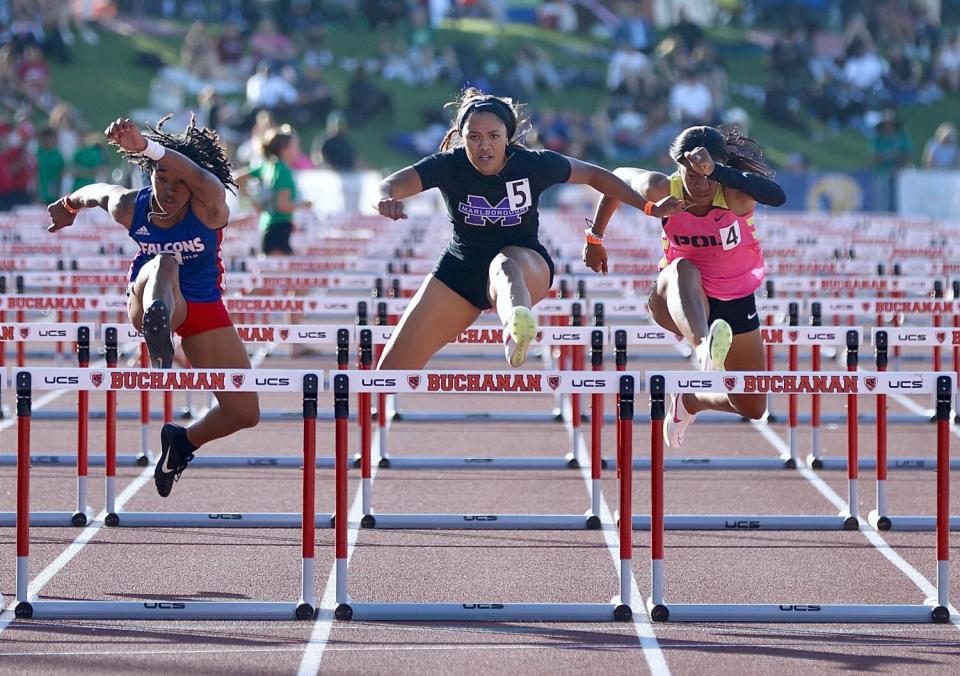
(677, 421)
(518, 333)
(712, 352)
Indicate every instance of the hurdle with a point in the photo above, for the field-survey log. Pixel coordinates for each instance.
(880, 518)
(82, 514)
(934, 610)
(573, 337)
(110, 381)
(792, 336)
(547, 308)
(337, 336)
(43, 332)
(791, 382)
(518, 382)
(580, 382)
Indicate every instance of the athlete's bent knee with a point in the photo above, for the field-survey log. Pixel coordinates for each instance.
(167, 263)
(687, 271)
(246, 415)
(505, 267)
(752, 406)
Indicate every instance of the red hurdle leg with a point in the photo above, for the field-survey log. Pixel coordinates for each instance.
(144, 406)
(308, 525)
(23, 483)
(341, 412)
(944, 395)
(657, 414)
(625, 473)
(792, 401)
(815, 450)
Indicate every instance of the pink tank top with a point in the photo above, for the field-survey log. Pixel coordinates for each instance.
(723, 246)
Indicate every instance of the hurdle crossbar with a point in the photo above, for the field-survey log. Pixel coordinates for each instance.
(111, 380)
(344, 383)
(934, 610)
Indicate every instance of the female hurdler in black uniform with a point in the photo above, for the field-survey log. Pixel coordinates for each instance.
(492, 186)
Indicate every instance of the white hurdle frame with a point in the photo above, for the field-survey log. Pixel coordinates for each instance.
(933, 610)
(579, 382)
(546, 310)
(805, 382)
(27, 380)
(576, 338)
(533, 382)
(79, 334)
(881, 518)
(792, 336)
(339, 336)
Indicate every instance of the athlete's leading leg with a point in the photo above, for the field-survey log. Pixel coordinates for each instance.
(435, 316)
(156, 307)
(746, 354)
(215, 349)
(519, 278)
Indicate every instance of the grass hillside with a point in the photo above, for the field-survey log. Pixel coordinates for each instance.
(108, 79)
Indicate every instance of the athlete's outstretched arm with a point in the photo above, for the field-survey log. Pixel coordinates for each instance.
(118, 201)
(207, 193)
(613, 186)
(395, 188)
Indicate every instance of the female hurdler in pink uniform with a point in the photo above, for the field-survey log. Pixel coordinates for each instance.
(712, 260)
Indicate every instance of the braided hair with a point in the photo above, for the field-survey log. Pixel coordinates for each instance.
(729, 147)
(473, 100)
(198, 144)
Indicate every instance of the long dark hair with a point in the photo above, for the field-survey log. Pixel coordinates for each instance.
(729, 147)
(199, 144)
(473, 100)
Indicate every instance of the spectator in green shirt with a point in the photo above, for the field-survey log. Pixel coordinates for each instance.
(277, 197)
(88, 162)
(892, 148)
(50, 166)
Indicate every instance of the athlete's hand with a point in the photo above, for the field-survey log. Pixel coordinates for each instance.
(59, 216)
(700, 161)
(668, 206)
(595, 256)
(391, 208)
(124, 133)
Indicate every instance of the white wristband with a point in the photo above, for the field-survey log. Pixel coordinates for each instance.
(154, 151)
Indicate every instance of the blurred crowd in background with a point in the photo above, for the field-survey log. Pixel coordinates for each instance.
(249, 65)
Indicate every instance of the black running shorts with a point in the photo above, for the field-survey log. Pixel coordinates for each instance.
(276, 239)
(740, 313)
(468, 273)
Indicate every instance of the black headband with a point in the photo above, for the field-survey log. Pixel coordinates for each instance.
(489, 105)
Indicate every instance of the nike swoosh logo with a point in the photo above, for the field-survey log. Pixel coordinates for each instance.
(166, 469)
(751, 316)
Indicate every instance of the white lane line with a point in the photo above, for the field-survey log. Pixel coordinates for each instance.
(317, 645)
(558, 645)
(872, 536)
(70, 552)
(641, 622)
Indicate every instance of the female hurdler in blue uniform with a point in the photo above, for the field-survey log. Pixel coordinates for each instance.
(176, 279)
(492, 186)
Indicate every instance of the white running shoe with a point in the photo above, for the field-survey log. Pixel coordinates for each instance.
(518, 333)
(677, 421)
(713, 351)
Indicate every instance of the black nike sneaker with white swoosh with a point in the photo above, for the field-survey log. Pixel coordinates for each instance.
(156, 333)
(176, 452)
